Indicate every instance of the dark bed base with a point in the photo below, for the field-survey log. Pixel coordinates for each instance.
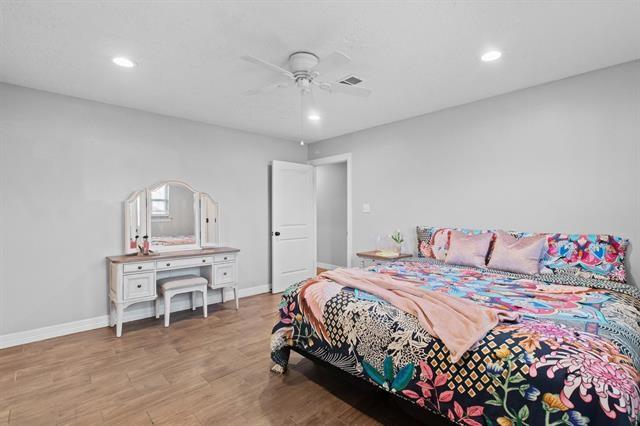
(419, 414)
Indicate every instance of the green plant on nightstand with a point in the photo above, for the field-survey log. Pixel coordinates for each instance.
(397, 238)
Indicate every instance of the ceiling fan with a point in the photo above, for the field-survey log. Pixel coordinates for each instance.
(304, 70)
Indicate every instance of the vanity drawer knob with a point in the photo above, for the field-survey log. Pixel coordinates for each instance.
(224, 273)
(140, 267)
(204, 260)
(168, 264)
(139, 285)
(225, 258)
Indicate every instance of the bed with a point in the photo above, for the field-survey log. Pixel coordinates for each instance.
(572, 358)
(168, 241)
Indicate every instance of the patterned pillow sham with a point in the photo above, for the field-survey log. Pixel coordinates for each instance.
(587, 255)
(597, 256)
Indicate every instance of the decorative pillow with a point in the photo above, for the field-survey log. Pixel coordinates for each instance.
(423, 234)
(424, 249)
(470, 250)
(434, 242)
(587, 255)
(440, 243)
(520, 255)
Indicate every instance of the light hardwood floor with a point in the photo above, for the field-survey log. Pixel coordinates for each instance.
(198, 371)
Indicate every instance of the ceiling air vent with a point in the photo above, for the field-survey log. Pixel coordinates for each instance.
(351, 80)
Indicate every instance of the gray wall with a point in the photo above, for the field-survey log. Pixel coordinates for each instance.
(66, 165)
(331, 201)
(563, 156)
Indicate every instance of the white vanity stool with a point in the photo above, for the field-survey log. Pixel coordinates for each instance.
(172, 286)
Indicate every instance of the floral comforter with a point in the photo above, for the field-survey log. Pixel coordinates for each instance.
(573, 358)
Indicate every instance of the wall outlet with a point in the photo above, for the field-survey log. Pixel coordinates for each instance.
(366, 208)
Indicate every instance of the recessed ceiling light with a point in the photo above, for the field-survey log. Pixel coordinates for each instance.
(313, 117)
(124, 62)
(491, 55)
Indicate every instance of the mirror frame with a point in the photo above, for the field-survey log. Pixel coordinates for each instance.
(145, 212)
(127, 218)
(203, 242)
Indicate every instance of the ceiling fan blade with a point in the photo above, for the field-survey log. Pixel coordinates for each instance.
(268, 65)
(331, 61)
(345, 89)
(266, 89)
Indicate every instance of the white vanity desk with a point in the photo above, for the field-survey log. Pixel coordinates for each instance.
(132, 279)
(181, 226)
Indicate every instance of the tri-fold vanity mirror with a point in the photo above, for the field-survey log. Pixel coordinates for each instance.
(173, 216)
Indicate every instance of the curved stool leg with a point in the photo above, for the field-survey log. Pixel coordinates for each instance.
(204, 301)
(167, 308)
(235, 296)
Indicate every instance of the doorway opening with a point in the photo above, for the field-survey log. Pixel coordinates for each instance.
(333, 211)
(294, 221)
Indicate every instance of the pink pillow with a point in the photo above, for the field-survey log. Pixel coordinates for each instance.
(470, 250)
(440, 243)
(517, 255)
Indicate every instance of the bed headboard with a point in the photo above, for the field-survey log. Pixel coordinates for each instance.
(598, 256)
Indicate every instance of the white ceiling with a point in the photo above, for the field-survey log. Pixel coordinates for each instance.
(417, 57)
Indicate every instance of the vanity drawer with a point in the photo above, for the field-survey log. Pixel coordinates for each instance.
(224, 274)
(139, 285)
(227, 257)
(183, 263)
(138, 267)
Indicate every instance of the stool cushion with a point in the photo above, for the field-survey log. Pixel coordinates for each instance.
(173, 283)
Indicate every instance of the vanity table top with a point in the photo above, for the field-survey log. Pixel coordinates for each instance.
(171, 254)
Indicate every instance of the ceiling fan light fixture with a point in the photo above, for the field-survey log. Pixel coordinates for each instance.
(304, 68)
(491, 55)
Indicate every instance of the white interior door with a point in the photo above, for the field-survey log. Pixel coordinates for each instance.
(293, 238)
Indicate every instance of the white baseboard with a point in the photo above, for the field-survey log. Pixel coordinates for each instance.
(28, 336)
(136, 312)
(327, 265)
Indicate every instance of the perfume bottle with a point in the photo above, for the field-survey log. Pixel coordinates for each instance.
(145, 245)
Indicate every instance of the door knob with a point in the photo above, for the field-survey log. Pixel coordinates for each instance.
(277, 234)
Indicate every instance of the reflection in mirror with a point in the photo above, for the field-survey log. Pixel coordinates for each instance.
(173, 215)
(134, 218)
(209, 220)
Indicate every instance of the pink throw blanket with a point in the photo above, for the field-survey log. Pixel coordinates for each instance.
(459, 323)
